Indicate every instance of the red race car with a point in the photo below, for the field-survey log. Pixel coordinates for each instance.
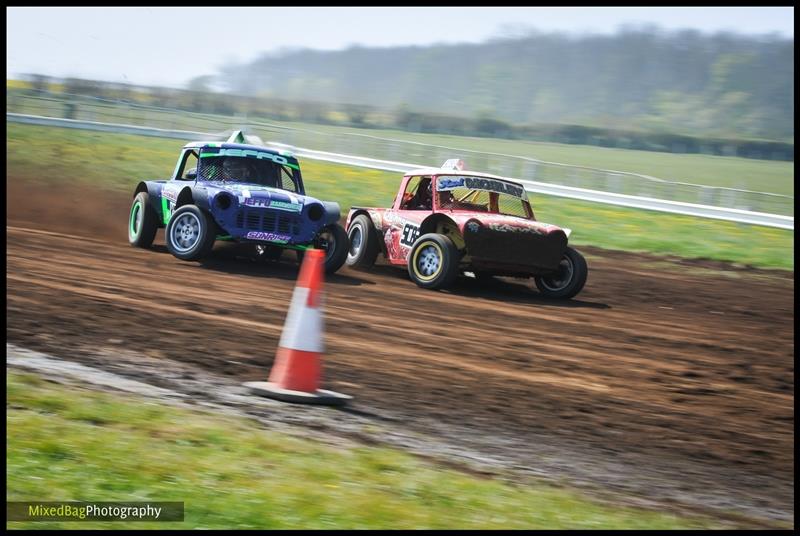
(449, 221)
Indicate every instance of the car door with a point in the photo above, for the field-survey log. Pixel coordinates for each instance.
(402, 223)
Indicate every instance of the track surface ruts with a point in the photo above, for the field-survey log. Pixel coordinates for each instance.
(658, 364)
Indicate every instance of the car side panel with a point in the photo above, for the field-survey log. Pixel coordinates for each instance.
(153, 189)
(400, 231)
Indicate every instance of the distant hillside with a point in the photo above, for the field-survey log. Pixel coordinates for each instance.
(683, 82)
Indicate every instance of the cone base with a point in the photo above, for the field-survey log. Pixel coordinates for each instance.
(320, 396)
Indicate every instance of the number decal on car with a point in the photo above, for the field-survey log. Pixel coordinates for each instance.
(410, 234)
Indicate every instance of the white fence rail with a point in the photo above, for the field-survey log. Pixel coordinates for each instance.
(596, 196)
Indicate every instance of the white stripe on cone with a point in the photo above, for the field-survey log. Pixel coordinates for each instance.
(303, 328)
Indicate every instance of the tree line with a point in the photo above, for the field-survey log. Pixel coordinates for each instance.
(679, 92)
(641, 78)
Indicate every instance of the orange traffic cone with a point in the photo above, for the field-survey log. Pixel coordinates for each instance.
(296, 373)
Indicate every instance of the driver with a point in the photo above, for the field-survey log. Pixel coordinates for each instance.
(447, 199)
(424, 196)
(236, 169)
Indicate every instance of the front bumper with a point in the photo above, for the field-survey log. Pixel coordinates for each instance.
(270, 226)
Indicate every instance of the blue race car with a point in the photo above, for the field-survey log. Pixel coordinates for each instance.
(240, 192)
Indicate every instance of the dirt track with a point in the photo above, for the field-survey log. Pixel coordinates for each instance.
(676, 377)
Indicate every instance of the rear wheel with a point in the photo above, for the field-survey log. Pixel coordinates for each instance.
(433, 261)
(568, 280)
(363, 243)
(143, 222)
(190, 233)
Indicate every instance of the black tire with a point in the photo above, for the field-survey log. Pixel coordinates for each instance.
(190, 233)
(568, 280)
(363, 240)
(433, 261)
(331, 235)
(142, 222)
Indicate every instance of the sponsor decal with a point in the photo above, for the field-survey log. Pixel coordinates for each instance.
(410, 234)
(477, 183)
(473, 226)
(449, 183)
(505, 228)
(269, 237)
(480, 183)
(248, 189)
(271, 203)
(291, 207)
(392, 217)
(256, 201)
(169, 193)
(250, 153)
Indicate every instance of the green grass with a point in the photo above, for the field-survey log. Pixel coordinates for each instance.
(611, 227)
(118, 162)
(743, 173)
(71, 444)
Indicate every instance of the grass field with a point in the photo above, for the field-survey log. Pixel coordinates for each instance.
(118, 162)
(72, 444)
(749, 174)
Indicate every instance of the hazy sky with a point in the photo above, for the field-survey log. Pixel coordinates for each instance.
(169, 46)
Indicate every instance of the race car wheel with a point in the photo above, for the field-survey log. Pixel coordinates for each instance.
(143, 222)
(433, 261)
(333, 241)
(190, 233)
(363, 243)
(568, 280)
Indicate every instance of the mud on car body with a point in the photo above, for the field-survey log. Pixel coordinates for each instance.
(240, 192)
(446, 221)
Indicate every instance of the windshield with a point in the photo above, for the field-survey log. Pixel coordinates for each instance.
(214, 167)
(479, 194)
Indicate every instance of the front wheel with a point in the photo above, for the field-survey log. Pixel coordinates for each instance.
(333, 241)
(363, 243)
(433, 261)
(190, 233)
(567, 280)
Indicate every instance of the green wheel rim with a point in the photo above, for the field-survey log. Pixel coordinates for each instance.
(136, 219)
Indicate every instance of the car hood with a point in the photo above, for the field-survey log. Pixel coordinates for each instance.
(471, 221)
(263, 196)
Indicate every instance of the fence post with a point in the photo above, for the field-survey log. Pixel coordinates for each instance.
(613, 183)
(706, 195)
(69, 110)
(529, 170)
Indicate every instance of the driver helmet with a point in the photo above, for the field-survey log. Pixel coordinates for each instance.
(426, 192)
(236, 169)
